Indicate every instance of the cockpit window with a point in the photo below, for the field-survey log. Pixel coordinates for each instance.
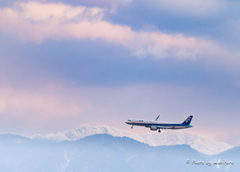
(129, 120)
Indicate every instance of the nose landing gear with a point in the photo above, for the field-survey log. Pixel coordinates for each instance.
(132, 127)
(159, 131)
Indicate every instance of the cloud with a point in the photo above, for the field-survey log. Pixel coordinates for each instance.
(35, 11)
(197, 8)
(37, 22)
(39, 107)
(91, 2)
(55, 107)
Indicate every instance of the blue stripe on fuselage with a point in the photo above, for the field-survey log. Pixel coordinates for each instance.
(154, 124)
(159, 124)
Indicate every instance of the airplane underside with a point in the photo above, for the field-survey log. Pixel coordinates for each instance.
(154, 125)
(159, 128)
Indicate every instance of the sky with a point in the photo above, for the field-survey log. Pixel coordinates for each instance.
(99, 62)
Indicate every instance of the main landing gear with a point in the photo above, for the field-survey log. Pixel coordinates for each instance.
(159, 131)
(132, 127)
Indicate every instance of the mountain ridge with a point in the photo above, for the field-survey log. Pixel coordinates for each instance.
(99, 152)
(199, 143)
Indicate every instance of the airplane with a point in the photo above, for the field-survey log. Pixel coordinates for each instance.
(157, 125)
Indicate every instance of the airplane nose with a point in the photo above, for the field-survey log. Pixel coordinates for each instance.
(127, 122)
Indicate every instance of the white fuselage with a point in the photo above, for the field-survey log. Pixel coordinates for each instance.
(154, 125)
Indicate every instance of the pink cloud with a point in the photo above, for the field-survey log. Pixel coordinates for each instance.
(40, 106)
(34, 21)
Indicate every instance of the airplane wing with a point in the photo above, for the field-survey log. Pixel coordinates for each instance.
(157, 118)
(165, 127)
(162, 127)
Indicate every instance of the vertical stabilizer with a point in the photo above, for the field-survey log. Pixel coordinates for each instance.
(188, 120)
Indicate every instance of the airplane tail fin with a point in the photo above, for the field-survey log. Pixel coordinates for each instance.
(188, 120)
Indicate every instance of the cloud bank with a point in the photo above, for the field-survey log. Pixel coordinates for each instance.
(37, 22)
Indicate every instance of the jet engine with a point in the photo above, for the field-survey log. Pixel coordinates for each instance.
(153, 128)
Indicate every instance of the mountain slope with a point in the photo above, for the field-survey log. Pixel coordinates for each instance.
(199, 143)
(100, 152)
(103, 152)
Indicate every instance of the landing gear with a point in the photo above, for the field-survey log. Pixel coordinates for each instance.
(132, 127)
(159, 131)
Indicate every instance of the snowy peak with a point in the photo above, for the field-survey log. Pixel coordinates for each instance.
(82, 131)
(199, 143)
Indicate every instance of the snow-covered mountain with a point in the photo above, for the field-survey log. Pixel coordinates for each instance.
(103, 152)
(199, 143)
